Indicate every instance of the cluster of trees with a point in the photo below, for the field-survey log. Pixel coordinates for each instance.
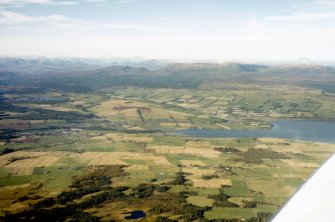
(249, 204)
(112, 194)
(176, 204)
(52, 214)
(256, 155)
(6, 150)
(227, 150)
(228, 170)
(221, 200)
(144, 190)
(209, 176)
(180, 179)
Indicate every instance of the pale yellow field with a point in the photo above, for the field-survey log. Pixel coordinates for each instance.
(272, 140)
(186, 97)
(96, 159)
(239, 200)
(197, 173)
(267, 187)
(31, 159)
(37, 121)
(78, 102)
(136, 128)
(13, 187)
(99, 158)
(45, 159)
(190, 106)
(138, 167)
(168, 124)
(21, 171)
(290, 175)
(107, 113)
(123, 138)
(130, 114)
(200, 201)
(185, 125)
(180, 149)
(116, 105)
(17, 207)
(27, 161)
(261, 146)
(112, 107)
(212, 183)
(295, 164)
(193, 163)
(180, 117)
(198, 144)
(157, 113)
(296, 147)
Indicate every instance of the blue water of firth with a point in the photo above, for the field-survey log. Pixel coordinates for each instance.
(308, 130)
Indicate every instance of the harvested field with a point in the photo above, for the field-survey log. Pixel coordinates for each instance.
(198, 144)
(131, 114)
(295, 164)
(29, 159)
(100, 158)
(115, 137)
(42, 161)
(261, 146)
(168, 124)
(45, 159)
(78, 102)
(138, 167)
(185, 125)
(197, 173)
(192, 163)
(96, 159)
(272, 140)
(21, 171)
(180, 149)
(212, 183)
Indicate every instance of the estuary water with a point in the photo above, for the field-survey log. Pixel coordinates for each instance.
(308, 130)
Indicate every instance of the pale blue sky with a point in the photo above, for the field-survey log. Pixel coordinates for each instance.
(176, 29)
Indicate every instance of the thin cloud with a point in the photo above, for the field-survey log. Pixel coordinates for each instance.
(14, 18)
(302, 16)
(59, 2)
(309, 11)
(8, 17)
(12, 2)
(23, 2)
(124, 1)
(64, 23)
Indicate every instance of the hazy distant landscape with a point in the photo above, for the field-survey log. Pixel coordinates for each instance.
(167, 111)
(90, 141)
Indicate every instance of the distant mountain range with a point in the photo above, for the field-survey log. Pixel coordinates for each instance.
(86, 75)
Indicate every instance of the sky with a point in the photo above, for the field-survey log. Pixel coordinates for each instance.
(169, 29)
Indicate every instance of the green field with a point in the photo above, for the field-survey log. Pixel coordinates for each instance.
(116, 150)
